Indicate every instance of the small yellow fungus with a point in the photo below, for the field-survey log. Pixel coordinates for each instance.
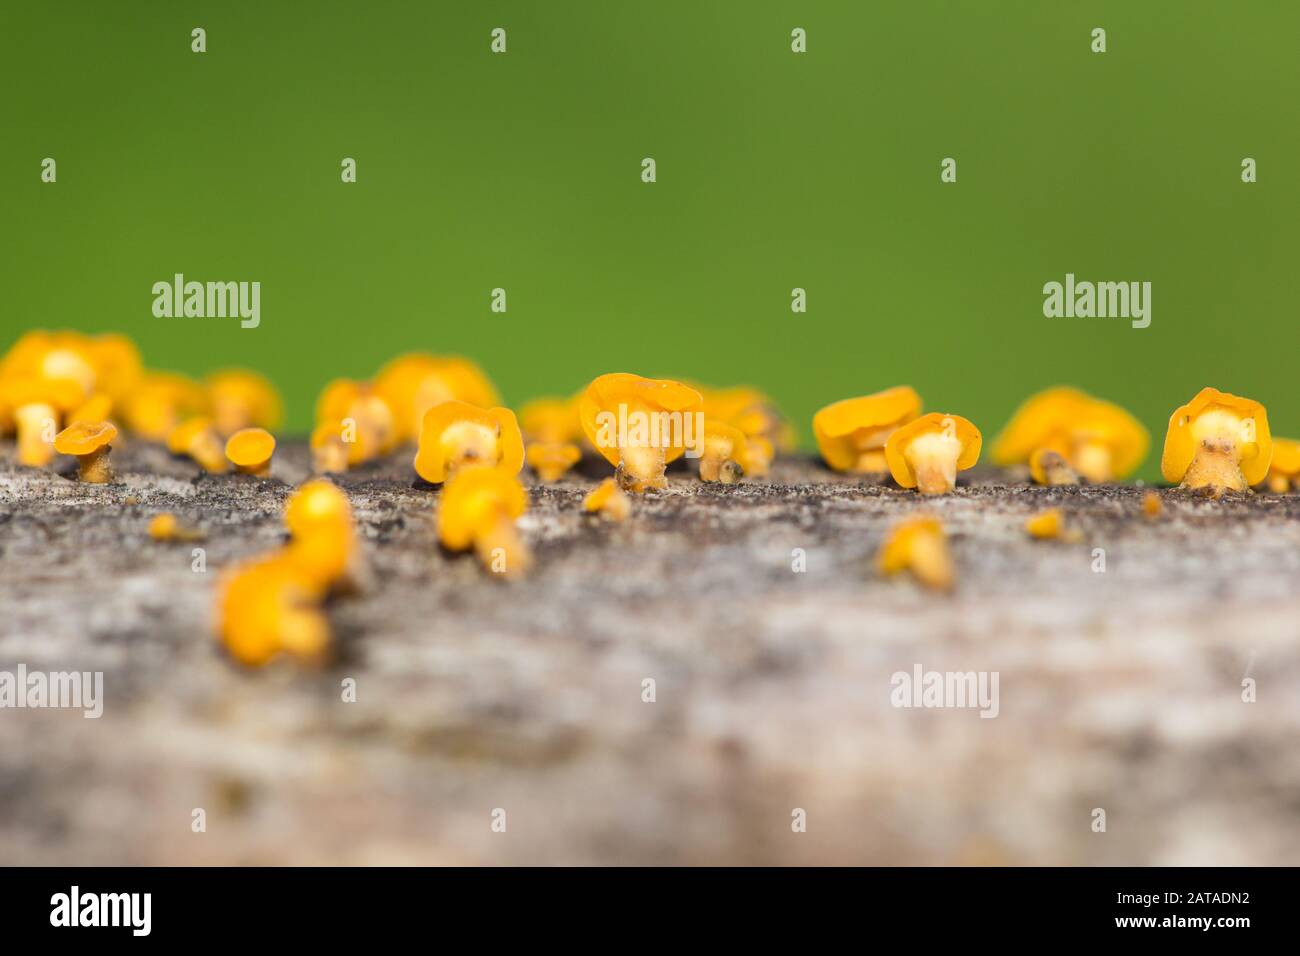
(90, 443)
(96, 408)
(414, 383)
(38, 406)
(927, 453)
(1217, 442)
(852, 433)
(329, 452)
(725, 448)
(478, 510)
(551, 460)
(609, 501)
(323, 540)
(196, 438)
(365, 419)
(1097, 439)
(1284, 469)
(160, 402)
(919, 545)
(166, 527)
(1152, 505)
(456, 434)
(639, 425)
(271, 606)
(1049, 467)
(550, 420)
(250, 450)
(240, 398)
(1050, 524)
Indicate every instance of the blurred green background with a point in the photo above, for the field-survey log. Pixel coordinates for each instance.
(775, 170)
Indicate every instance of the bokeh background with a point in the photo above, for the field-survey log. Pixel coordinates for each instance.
(775, 170)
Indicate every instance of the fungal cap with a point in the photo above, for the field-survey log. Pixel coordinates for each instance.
(1218, 425)
(1106, 442)
(319, 517)
(608, 499)
(1037, 423)
(1046, 524)
(474, 501)
(84, 438)
(851, 433)
(413, 383)
(373, 417)
(94, 409)
(725, 450)
(250, 448)
(329, 451)
(607, 393)
(928, 452)
(457, 433)
(550, 420)
(271, 606)
(162, 527)
(160, 402)
(921, 546)
(1286, 457)
(241, 398)
(1152, 505)
(552, 459)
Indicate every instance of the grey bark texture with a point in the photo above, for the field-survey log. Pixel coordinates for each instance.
(1119, 690)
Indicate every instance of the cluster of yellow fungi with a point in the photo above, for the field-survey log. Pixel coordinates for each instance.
(272, 605)
(68, 393)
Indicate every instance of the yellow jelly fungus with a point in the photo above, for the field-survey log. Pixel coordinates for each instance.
(1152, 505)
(478, 510)
(96, 408)
(167, 527)
(919, 545)
(271, 606)
(38, 406)
(1284, 469)
(609, 501)
(551, 420)
(851, 434)
(1049, 524)
(1049, 467)
(250, 451)
(90, 443)
(551, 460)
(927, 453)
(457, 434)
(725, 448)
(414, 383)
(240, 398)
(322, 537)
(639, 425)
(197, 439)
(364, 417)
(1097, 439)
(329, 452)
(160, 402)
(1217, 442)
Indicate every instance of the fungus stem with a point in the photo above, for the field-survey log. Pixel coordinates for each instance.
(934, 459)
(31, 422)
(95, 467)
(642, 467)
